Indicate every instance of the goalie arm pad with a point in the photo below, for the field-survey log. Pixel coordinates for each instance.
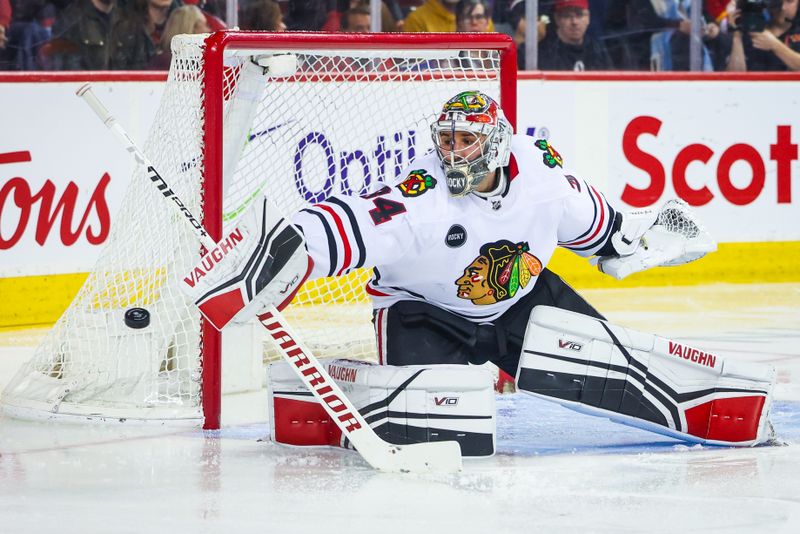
(649, 238)
(409, 404)
(644, 380)
(261, 263)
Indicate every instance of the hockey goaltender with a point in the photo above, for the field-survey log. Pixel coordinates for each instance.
(459, 249)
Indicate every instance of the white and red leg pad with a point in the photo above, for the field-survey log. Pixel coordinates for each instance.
(260, 263)
(413, 404)
(644, 380)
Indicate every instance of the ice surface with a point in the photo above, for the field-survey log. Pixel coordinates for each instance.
(555, 470)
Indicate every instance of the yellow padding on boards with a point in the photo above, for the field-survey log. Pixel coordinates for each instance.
(37, 300)
(733, 263)
(40, 300)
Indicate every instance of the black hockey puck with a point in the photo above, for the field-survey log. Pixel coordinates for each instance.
(137, 318)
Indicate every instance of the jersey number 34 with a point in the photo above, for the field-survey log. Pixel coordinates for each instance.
(384, 209)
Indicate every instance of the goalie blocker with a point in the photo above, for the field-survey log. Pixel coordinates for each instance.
(262, 262)
(644, 380)
(403, 405)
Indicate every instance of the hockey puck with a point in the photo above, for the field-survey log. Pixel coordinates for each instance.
(137, 318)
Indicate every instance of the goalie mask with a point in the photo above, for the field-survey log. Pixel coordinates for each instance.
(472, 138)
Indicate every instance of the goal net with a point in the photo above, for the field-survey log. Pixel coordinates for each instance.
(295, 116)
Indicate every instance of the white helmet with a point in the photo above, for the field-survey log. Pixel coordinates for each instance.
(478, 114)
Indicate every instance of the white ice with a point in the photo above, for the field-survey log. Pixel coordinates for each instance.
(555, 470)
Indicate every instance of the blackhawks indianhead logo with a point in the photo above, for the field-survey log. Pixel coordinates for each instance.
(551, 157)
(417, 183)
(498, 273)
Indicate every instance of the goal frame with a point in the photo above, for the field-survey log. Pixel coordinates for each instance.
(213, 71)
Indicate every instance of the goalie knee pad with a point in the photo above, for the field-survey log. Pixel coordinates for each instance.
(644, 380)
(412, 404)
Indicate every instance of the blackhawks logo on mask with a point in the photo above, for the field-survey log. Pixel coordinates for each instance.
(417, 183)
(551, 157)
(468, 102)
(498, 273)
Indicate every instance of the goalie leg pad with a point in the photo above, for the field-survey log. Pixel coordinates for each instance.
(261, 263)
(644, 380)
(410, 404)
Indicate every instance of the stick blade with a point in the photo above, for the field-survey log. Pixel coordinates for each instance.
(434, 457)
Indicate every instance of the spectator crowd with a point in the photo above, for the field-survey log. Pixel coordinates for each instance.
(737, 35)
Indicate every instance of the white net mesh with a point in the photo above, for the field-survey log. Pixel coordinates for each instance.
(677, 218)
(315, 123)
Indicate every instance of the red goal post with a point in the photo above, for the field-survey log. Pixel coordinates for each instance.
(213, 97)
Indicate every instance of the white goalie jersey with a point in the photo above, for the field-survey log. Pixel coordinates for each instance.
(472, 256)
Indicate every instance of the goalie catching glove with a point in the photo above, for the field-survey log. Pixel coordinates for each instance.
(261, 263)
(652, 238)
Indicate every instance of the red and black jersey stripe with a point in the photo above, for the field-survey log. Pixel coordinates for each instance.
(333, 256)
(600, 229)
(345, 242)
(359, 240)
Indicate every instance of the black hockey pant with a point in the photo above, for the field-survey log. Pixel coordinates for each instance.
(418, 333)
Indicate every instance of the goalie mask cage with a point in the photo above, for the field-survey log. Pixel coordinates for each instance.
(295, 116)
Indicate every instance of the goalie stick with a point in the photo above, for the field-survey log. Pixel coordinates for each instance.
(444, 456)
